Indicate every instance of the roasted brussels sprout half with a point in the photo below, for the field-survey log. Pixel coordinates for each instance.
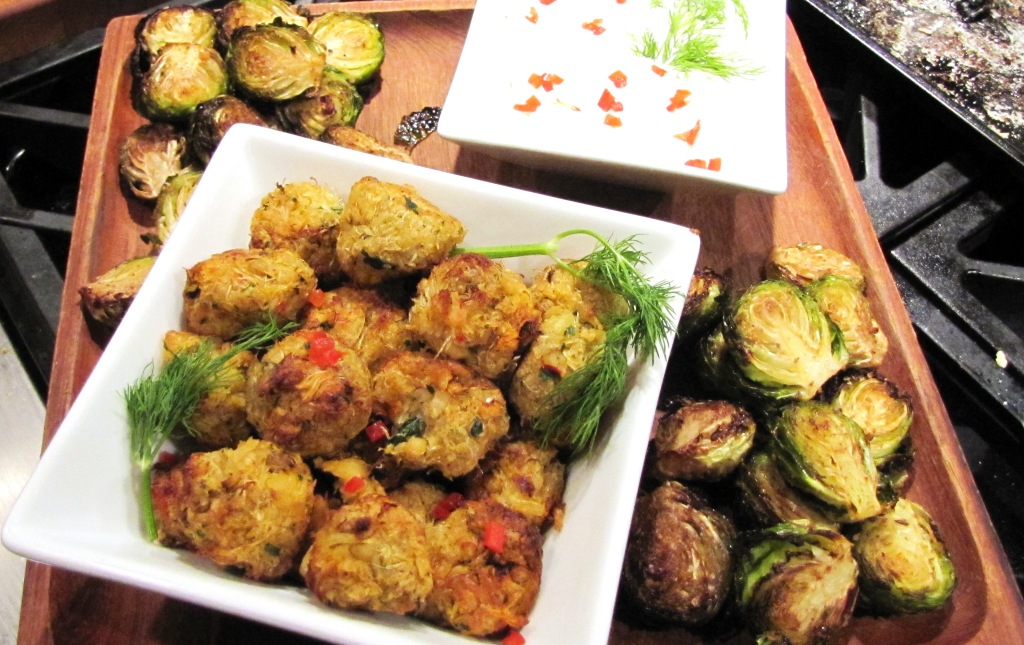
(106, 299)
(796, 583)
(335, 101)
(249, 13)
(182, 76)
(354, 43)
(706, 299)
(824, 453)
(781, 342)
(678, 565)
(180, 24)
(275, 62)
(804, 263)
(171, 202)
(769, 498)
(348, 137)
(877, 406)
(850, 310)
(149, 155)
(904, 565)
(702, 441)
(212, 119)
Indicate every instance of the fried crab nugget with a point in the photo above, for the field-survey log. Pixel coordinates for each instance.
(309, 394)
(245, 508)
(568, 334)
(393, 232)
(363, 320)
(304, 217)
(486, 563)
(232, 290)
(524, 477)
(372, 555)
(443, 416)
(474, 310)
(219, 420)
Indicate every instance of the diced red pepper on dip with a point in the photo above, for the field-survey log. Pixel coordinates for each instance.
(608, 103)
(546, 1)
(494, 537)
(660, 71)
(715, 163)
(678, 100)
(546, 80)
(618, 78)
(530, 105)
(690, 136)
(612, 120)
(697, 163)
(595, 26)
(532, 16)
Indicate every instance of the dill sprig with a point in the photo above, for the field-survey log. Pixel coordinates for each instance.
(691, 40)
(160, 402)
(575, 406)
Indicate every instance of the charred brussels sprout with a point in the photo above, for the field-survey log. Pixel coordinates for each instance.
(249, 13)
(878, 407)
(768, 496)
(904, 566)
(106, 299)
(176, 25)
(849, 309)
(171, 202)
(678, 565)
(149, 155)
(275, 62)
(212, 120)
(334, 102)
(354, 43)
(796, 583)
(804, 263)
(823, 453)
(182, 76)
(781, 342)
(702, 441)
(705, 302)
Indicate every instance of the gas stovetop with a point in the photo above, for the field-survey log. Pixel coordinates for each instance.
(945, 203)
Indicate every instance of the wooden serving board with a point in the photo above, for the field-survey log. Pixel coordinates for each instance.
(424, 39)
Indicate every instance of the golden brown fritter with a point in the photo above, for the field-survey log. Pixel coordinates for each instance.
(392, 232)
(363, 320)
(478, 590)
(474, 310)
(244, 508)
(442, 415)
(232, 290)
(219, 420)
(304, 217)
(523, 477)
(309, 394)
(372, 554)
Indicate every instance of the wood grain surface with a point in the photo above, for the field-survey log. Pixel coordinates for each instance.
(424, 39)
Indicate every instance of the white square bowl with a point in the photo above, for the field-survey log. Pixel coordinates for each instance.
(79, 509)
(742, 119)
